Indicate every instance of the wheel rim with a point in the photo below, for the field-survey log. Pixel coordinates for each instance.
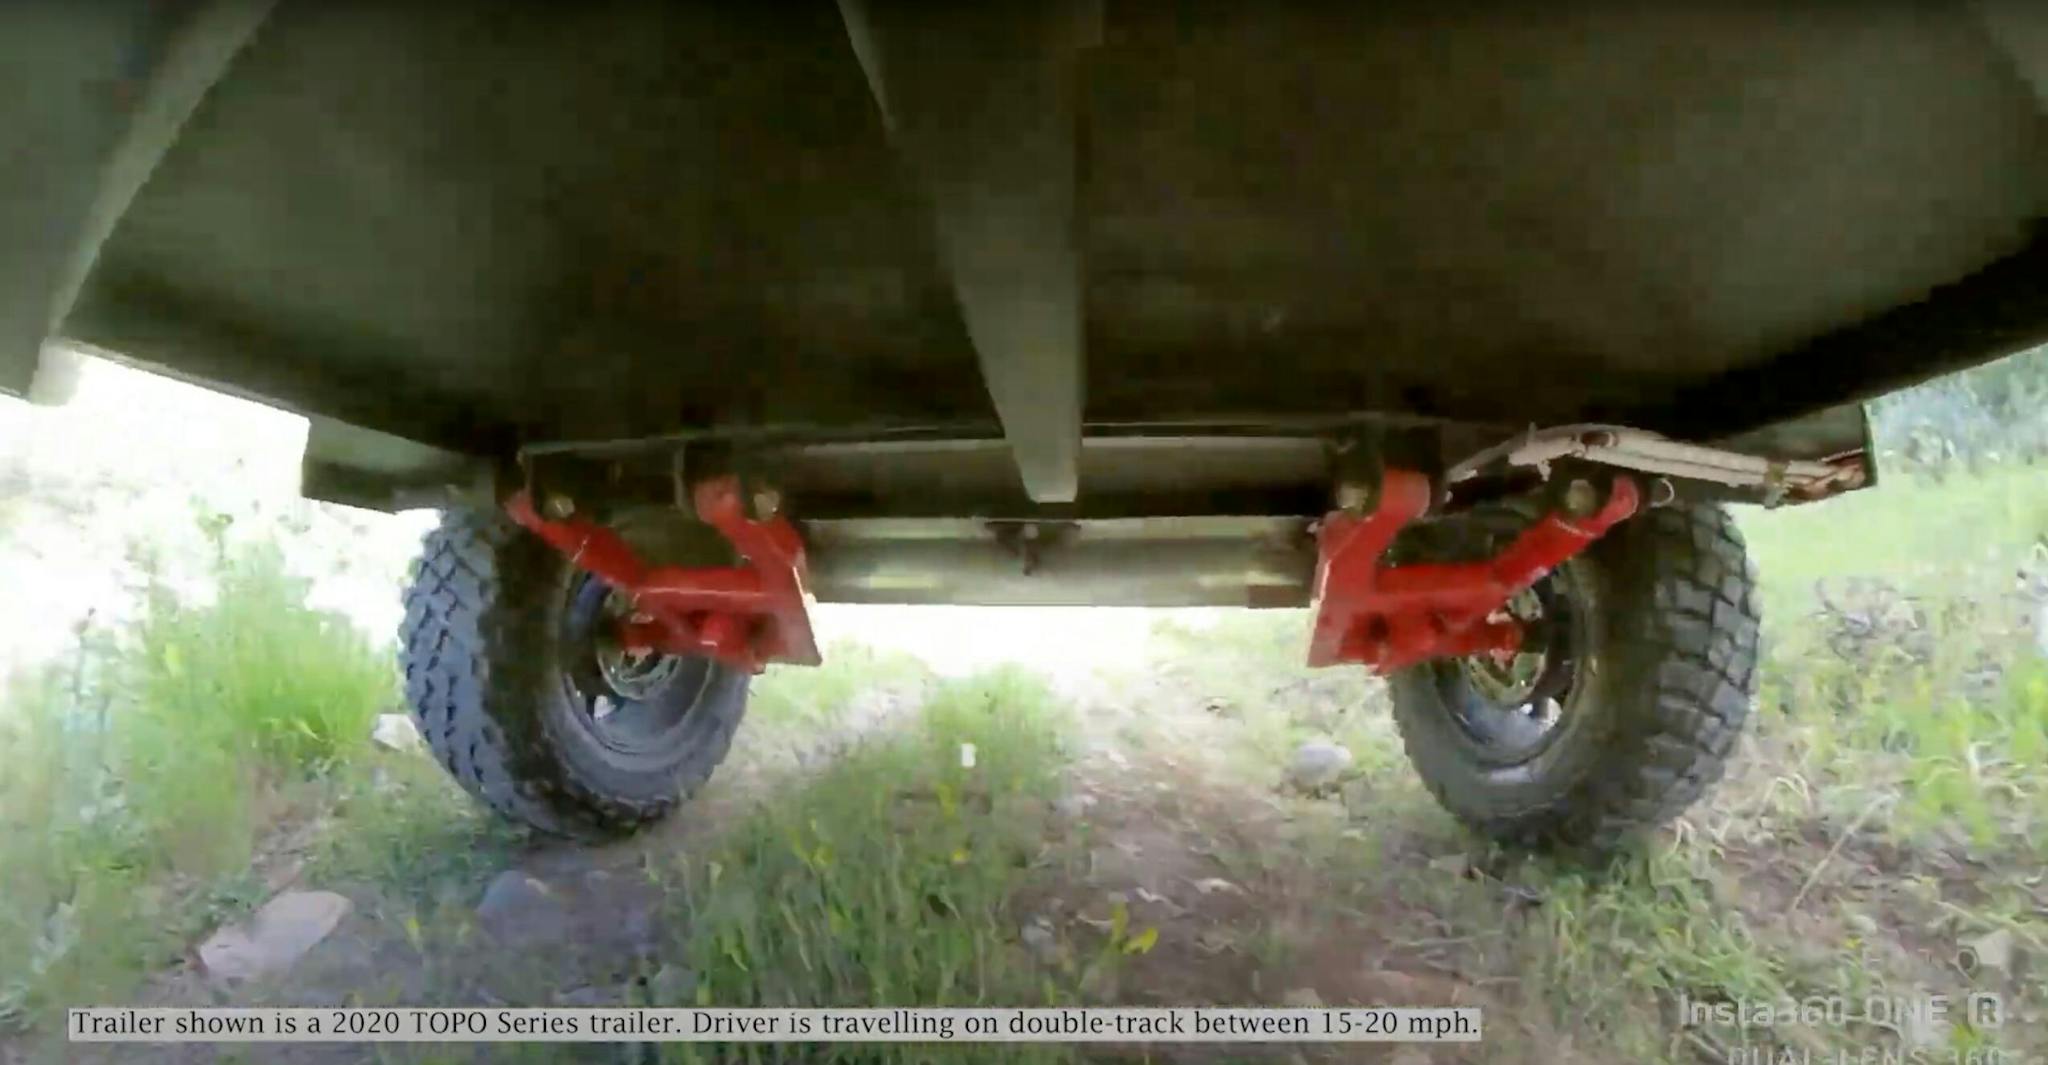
(634, 703)
(1510, 710)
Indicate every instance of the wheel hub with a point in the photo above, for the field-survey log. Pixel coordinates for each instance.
(630, 673)
(635, 674)
(1510, 679)
(1515, 702)
(629, 696)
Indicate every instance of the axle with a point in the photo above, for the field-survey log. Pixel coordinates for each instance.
(1383, 617)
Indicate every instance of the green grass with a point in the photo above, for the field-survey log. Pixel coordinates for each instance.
(72, 864)
(1877, 765)
(404, 826)
(1909, 524)
(795, 697)
(136, 780)
(1249, 670)
(1609, 943)
(256, 671)
(886, 879)
(1946, 706)
(1920, 532)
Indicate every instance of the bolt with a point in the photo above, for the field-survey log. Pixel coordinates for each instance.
(1581, 498)
(559, 506)
(1354, 496)
(1662, 492)
(767, 502)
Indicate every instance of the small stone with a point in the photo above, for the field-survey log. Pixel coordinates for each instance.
(1317, 766)
(284, 874)
(641, 929)
(1454, 864)
(585, 997)
(1073, 806)
(1213, 884)
(1039, 939)
(1864, 924)
(1356, 795)
(396, 732)
(275, 936)
(1302, 998)
(517, 907)
(672, 985)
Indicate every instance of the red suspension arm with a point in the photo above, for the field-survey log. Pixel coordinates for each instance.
(1391, 617)
(745, 616)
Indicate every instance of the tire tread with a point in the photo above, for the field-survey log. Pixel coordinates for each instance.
(469, 650)
(1684, 635)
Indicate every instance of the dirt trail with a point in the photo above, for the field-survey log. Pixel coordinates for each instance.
(1175, 810)
(1156, 818)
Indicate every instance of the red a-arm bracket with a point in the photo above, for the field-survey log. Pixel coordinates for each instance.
(1391, 617)
(745, 616)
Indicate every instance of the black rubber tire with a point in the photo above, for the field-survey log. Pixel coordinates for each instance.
(483, 673)
(1669, 674)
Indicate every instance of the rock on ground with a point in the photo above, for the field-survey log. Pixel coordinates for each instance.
(1317, 766)
(1073, 805)
(397, 732)
(1040, 939)
(521, 907)
(274, 937)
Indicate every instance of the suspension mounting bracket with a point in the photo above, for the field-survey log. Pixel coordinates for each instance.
(745, 616)
(1391, 617)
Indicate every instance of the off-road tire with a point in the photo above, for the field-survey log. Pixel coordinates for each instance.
(1669, 674)
(483, 676)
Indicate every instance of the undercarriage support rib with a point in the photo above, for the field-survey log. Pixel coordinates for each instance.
(979, 100)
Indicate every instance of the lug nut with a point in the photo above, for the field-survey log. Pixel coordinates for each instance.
(1581, 498)
(559, 506)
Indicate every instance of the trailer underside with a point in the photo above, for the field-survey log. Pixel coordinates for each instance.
(1117, 272)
